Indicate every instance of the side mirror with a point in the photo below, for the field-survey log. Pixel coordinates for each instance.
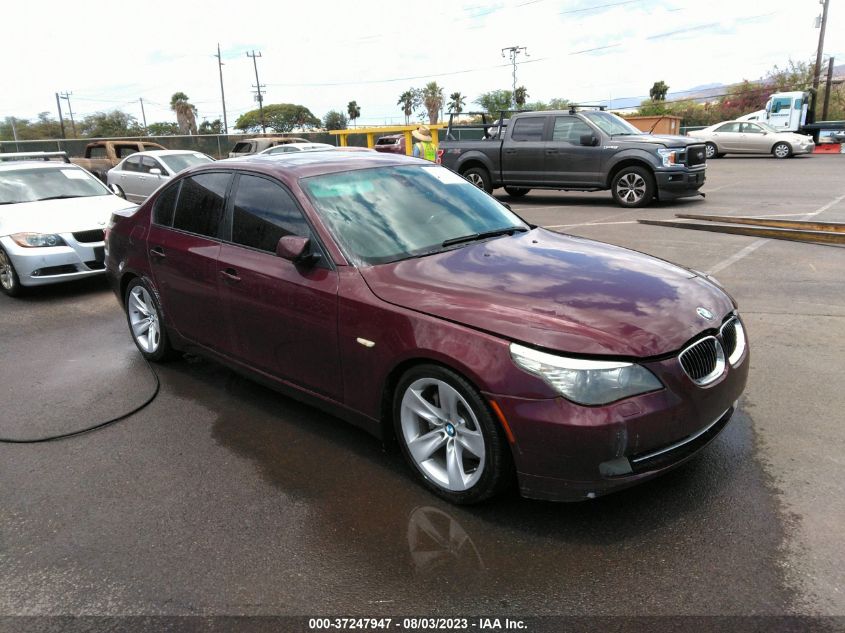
(155, 171)
(295, 248)
(117, 191)
(589, 140)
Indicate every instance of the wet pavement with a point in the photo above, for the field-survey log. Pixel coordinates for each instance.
(223, 497)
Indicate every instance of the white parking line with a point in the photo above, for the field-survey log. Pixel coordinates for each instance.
(745, 252)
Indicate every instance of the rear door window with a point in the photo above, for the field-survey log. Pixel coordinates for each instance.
(263, 212)
(529, 129)
(165, 204)
(201, 201)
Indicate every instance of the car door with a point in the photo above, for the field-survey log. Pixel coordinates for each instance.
(568, 162)
(523, 152)
(728, 137)
(129, 179)
(282, 316)
(183, 245)
(754, 139)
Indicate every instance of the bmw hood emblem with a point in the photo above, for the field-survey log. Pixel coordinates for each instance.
(704, 313)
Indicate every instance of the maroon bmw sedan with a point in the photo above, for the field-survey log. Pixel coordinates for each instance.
(396, 295)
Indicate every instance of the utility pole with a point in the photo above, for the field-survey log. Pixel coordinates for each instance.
(258, 86)
(223, 94)
(513, 52)
(66, 96)
(61, 120)
(143, 115)
(828, 86)
(819, 54)
(14, 134)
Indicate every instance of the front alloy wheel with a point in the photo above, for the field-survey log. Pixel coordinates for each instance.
(782, 150)
(633, 187)
(9, 282)
(448, 435)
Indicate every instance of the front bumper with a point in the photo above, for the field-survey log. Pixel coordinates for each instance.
(53, 264)
(804, 149)
(679, 183)
(568, 452)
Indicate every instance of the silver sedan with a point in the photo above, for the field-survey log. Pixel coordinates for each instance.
(138, 175)
(745, 137)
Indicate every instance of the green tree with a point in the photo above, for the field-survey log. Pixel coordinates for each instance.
(211, 127)
(432, 100)
(658, 91)
(163, 128)
(279, 117)
(410, 101)
(495, 101)
(353, 110)
(520, 96)
(793, 76)
(335, 120)
(108, 124)
(456, 102)
(559, 103)
(186, 113)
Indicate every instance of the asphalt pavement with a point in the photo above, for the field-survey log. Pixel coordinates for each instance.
(224, 498)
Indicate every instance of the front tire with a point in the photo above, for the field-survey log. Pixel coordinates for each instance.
(633, 187)
(10, 283)
(449, 437)
(781, 150)
(145, 322)
(479, 177)
(516, 192)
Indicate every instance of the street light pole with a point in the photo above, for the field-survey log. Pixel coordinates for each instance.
(513, 52)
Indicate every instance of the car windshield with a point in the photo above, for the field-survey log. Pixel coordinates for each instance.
(34, 184)
(611, 124)
(178, 162)
(386, 214)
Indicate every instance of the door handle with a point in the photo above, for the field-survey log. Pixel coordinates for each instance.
(510, 151)
(551, 151)
(157, 251)
(230, 274)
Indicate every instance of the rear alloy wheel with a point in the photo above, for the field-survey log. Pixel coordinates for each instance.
(146, 323)
(479, 177)
(448, 435)
(782, 150)
(10, 284)
(711, 151)
(516, 192)
(633, 187)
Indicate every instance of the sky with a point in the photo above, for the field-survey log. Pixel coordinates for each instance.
(323, 54)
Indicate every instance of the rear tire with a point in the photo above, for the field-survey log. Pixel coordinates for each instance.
(516, 192)
(449, 437)
(479, 177)
(633, 187)
(146, 323)
(10, 283)
(711, 151)
(781, 150)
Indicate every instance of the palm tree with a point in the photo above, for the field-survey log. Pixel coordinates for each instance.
(186, 113)
(353, 110)
(520, 96)
(409, 100)
(432, 99)
(456, 102)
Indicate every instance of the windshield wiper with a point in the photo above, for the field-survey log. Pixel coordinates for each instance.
(62, 197)
(483, 236)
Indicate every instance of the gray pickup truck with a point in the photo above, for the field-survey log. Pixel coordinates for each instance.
(576, 150)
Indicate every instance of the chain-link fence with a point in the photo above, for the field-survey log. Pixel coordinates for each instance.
(216, 145)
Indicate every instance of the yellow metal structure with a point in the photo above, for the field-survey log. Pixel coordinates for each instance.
(383, 130)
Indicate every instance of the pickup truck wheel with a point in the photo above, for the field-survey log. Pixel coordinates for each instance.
(711, 151)
(516, 192)
(782, 150)
(633, 187)
(479, 177)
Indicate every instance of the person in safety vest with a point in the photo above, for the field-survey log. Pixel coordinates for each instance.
(424, 148)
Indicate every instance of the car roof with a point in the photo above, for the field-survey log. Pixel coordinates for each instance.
(164, 152)
(36, 164)
(304, 164)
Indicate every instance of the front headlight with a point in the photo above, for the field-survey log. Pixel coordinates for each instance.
(34, 240)
(588, 382)
(669, 156)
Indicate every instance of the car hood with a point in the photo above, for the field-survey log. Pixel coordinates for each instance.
(557, 292)
(665, 140)
(60, 216)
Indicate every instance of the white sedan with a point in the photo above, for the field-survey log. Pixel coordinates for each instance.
(52, 217)
(752, 137)
(138, 175)
(296, 147)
